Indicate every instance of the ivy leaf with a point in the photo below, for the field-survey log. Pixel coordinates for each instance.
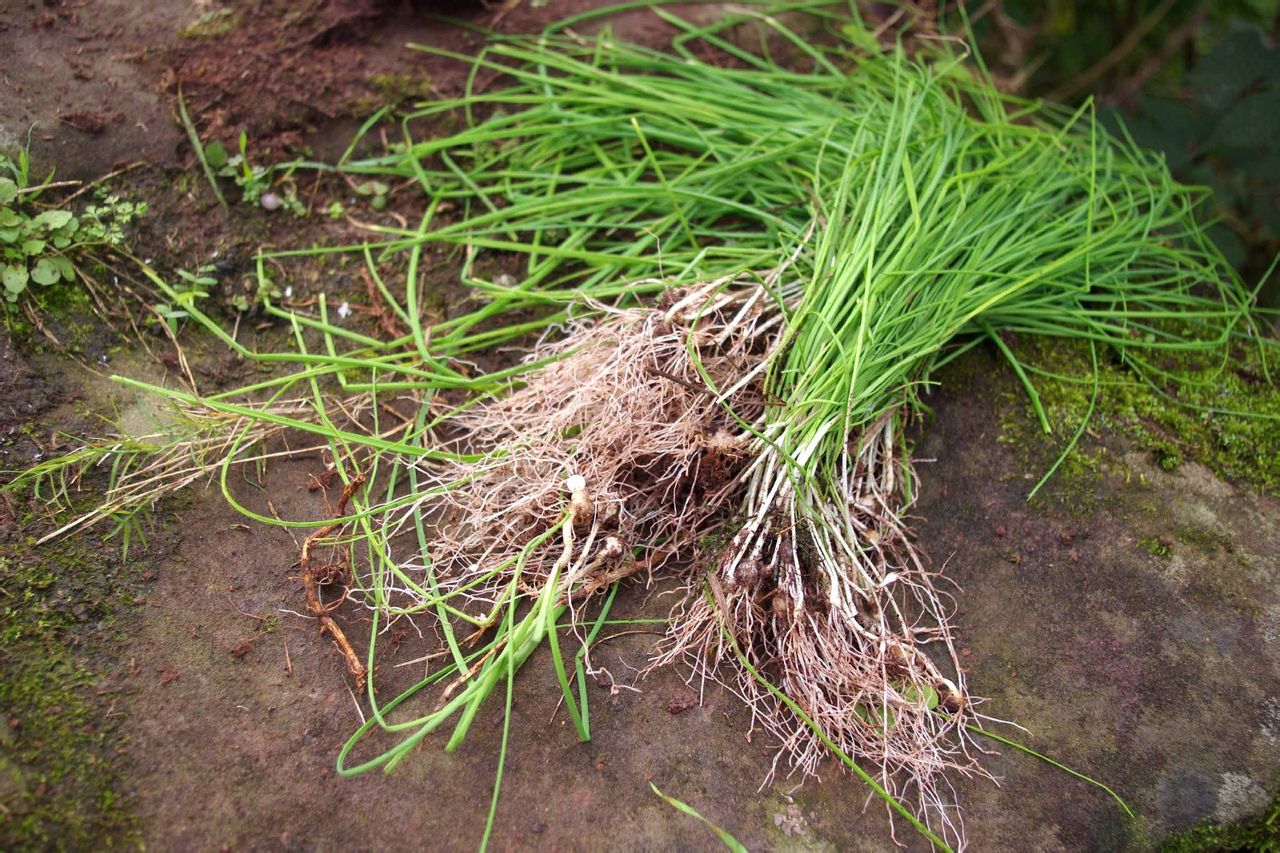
(1237, 62)
(8, 190)
(9, 235)
(1250, 126)
(9, 217)
(1167, 125)
(15, 279)
(32, 247)
(64, 267)
(44, 272)
(54, 219)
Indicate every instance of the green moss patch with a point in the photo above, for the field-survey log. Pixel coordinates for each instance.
(59, 783)
(1261, 833)
(1225, 417)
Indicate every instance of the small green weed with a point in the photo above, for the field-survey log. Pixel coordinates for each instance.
(192, 287)
(39, 243)
(255, 182)
(1155, 546)
(211, 24)
(375, 191)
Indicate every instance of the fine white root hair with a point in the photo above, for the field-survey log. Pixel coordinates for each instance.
(823, 594)
(624, 421)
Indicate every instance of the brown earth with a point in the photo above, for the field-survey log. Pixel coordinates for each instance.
(1158, 673)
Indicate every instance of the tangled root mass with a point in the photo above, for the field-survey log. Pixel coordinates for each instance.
(651, 421)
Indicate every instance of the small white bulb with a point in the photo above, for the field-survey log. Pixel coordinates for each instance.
(576, 483)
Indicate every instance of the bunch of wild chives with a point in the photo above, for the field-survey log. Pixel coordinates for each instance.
(739, 276)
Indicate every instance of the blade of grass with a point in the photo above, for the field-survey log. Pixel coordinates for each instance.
(196, 145)
(725, 838)
(1046, 759)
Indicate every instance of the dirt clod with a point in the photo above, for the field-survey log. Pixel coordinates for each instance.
(681, 702)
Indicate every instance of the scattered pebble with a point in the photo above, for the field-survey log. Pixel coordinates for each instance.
(270, 201)
(792, 822)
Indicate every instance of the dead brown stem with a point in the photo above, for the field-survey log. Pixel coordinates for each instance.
(312, 590)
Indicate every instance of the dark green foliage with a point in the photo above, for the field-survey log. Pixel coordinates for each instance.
(1194, 79)
(1219, 126)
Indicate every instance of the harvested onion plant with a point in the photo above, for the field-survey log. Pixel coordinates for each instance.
(737, 276)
